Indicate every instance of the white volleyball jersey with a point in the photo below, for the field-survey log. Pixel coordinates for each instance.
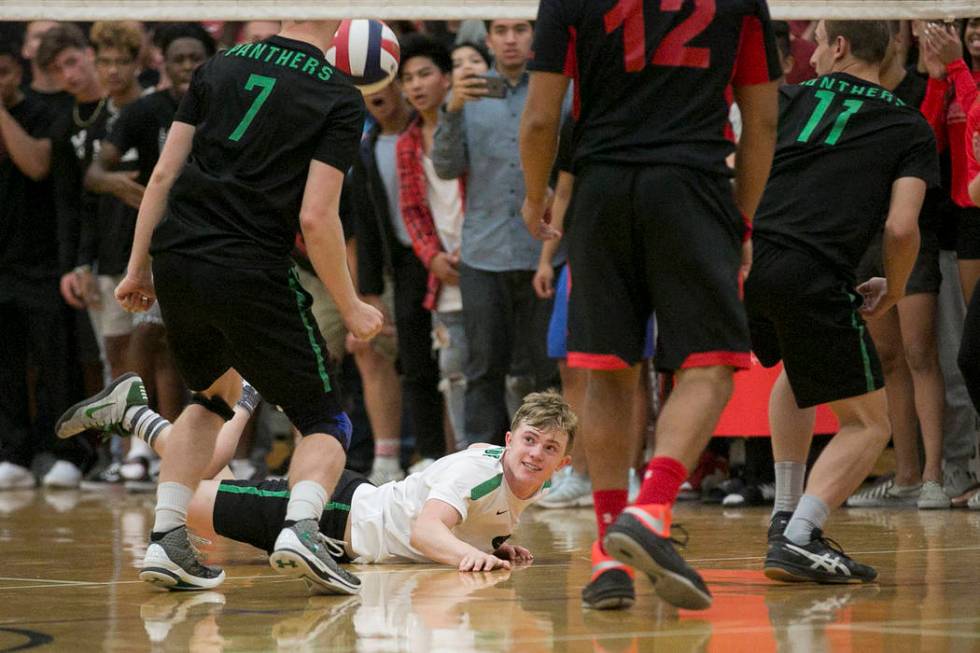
(471, 481)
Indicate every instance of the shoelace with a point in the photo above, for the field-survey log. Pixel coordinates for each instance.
(679, 527)
(335, 547)
(830, 543)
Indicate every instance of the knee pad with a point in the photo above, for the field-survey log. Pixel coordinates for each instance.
(216, 405)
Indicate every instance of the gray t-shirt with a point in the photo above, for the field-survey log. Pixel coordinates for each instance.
(384, 153)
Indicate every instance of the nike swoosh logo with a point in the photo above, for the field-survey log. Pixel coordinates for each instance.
(500, 512)
(90, 412)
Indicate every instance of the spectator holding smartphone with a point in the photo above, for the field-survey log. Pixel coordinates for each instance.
(477, 137)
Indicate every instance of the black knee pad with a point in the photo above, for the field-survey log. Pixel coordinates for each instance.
(216, 405)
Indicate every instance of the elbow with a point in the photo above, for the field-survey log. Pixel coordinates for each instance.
(311, 222)
(902, 235)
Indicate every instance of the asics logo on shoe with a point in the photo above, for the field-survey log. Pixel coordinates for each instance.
(656, 524)
(90, 412)
(825, 562)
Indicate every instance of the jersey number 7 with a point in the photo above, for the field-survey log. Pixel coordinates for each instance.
(266, 84)
(673, 50)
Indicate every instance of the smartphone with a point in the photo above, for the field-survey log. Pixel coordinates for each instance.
(496, 86)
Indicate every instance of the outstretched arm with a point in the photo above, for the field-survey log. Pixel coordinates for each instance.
(432, 536)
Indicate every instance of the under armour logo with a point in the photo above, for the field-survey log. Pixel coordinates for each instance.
(282, 564)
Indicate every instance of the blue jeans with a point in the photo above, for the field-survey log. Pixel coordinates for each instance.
(449, 340)
(506, 327)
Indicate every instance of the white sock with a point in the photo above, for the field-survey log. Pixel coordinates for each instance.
(145, 423)
(306, 501)
(789, 485)
(172, 501)
(811, 513)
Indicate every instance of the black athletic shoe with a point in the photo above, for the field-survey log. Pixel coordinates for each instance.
(640, 537)
(821, 561)
(777, 524)
(611, 586)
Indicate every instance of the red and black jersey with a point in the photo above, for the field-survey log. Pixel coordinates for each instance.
(650, 75)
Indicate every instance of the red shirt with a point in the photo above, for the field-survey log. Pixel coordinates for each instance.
(973, 142)
(946, 112)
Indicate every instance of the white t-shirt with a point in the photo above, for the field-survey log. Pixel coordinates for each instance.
(471, 481)
(446, 205)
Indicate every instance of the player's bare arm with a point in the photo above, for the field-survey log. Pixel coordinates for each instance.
(319, 219)
(753, 155)
(135, 292)
(31, 155)
(974, 190)
(101, 177)
(432, 536)
(539, 144)
(901, 246)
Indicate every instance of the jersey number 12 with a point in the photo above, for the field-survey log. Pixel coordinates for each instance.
(673, 50)
(266, 84)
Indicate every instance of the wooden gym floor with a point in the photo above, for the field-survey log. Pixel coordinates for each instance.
(68, 582)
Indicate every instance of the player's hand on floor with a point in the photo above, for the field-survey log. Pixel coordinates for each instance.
(479, 561)
(363, 320)
(135, 292)
(514, 553)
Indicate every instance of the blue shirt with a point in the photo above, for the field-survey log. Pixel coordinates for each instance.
(481, 142)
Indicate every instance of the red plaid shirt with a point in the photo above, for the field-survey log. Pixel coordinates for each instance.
(413, 198)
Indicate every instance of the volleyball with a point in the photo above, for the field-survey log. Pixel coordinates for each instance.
(367, 52)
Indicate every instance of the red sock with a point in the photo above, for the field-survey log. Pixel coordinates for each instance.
(608, 505)
(662, 481)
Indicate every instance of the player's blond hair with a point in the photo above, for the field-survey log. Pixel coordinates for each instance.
(118, 34)
(547, 411)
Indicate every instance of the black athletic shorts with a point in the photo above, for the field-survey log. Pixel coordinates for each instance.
(253, 512)
(926, 276)
(801, 312)
(655, 239)
(968, 233)
(256, 321)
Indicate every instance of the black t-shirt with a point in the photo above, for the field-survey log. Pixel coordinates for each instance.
(842, 143)
(28, 242)
(143, 126)
(650, 86)
(74, 137)
(263, 111)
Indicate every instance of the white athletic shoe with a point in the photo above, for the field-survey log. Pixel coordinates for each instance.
(104, 411)
(932, 497)
(15, 477)
(571, 490)
(63, 475)
(385, 470)
(302, 551)
(884, 494)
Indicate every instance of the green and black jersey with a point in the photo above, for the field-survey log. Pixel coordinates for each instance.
(263, 111)
(842, 144)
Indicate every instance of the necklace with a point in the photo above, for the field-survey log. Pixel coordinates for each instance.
(85, 124)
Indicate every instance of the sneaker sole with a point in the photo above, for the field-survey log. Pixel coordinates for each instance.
(669, 586)
(610, 603)
(293, 564)
(611, 598)
(789, 574)
(69, 414)
(161, 572)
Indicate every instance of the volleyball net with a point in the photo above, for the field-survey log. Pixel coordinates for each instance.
(168, 10)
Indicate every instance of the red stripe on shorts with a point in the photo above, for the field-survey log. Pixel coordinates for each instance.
(740, 360)
(596, 361)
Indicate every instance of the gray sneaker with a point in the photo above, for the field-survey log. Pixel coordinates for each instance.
(885, 493)
(932, 497)
(957, 479)
(572, 490)
(173, 563)
(301, 550)
(104, 411)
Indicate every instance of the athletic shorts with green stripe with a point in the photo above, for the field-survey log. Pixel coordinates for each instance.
(253, 512)
(257, 321)
(804, 313)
